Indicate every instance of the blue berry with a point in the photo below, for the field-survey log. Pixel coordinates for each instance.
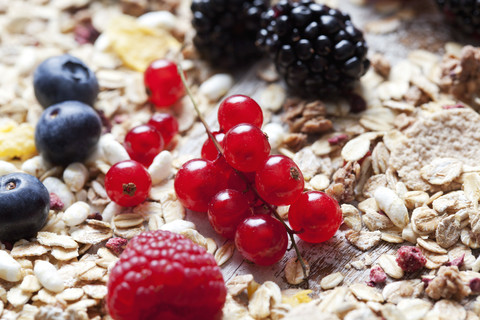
(62, 78)
(67, 132)
(24, 206)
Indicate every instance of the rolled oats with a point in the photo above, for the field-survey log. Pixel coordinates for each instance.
(363, 240)
(394, 292)
(332, 280)
(424, 220)
(442, 171)
(294, 271)
(224, 253)
(366, 293)
(17, 297)
(448, 231)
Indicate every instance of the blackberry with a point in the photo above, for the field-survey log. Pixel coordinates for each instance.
(316, 49)
(227, 29)
(463, 13)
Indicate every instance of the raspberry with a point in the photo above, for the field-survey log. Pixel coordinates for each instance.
(410, 258)
(165, 276)
(377, 276)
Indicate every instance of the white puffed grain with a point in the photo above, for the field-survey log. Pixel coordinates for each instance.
(177, 226)
(393, 206)
(216, 86)
(48, 276)
(35, 166)
(161, 167)
(10, 269)
(158, 19)
(113, 151)
(110, 211)
(76, 213)
(275, 133)
(55, 185)
(7, 167)
(75, 175)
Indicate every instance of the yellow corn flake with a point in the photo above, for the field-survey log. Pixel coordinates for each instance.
(138, 45)
(16, 141)
(297, 298)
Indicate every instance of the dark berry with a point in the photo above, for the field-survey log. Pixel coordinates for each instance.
(63, 78)
(165, 276)
(316, 49)
(24, 206)
(464, 14)
(226, 30)
(67, 132)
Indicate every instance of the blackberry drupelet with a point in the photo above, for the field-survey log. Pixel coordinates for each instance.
(227, 29)
(463, 13)
(316, 49)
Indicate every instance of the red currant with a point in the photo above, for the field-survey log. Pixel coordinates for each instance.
(209, 152)
(227, 210)
(238, 109)
(279, 181)
(261, 239)
(128, 183)
(196, 182)
(316, 216)
(143, 143)
(166, 125)
(246, 147)
(163, 83)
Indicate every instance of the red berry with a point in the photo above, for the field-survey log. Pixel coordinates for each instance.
(410, 258)
(197, 182)
(166, 125)
(316, 216)
(128, 183)
(238, 109)
(143, 143)
(165, 276)
(163, 83)
(227, 210)
(261, 239)
(209, 151)
(279, 181)
(246, 147)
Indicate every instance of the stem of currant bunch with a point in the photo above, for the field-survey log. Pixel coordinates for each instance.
(290, 232)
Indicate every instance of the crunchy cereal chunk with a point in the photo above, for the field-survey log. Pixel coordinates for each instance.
(448, 284)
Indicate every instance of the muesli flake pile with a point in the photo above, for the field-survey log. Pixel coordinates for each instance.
(405, 170)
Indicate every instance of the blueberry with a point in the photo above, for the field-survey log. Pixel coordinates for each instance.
(24, 206)
(62, 78)
(67, 132)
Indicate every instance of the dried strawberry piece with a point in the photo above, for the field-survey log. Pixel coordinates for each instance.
(337, 139)
(377, 276)
(475, 284)
(116, 245)
(456, 106)
(55, 202)
(458, 262)
(410, 259)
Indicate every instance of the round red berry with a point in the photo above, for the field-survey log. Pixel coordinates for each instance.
(227, 210)
(196, 182)
(238, 109)
(143, 143)
(279, 181)
(165, 276)
(163, 83)
(166, 125)
(246, 147)
(261, 239)
(316, 216)
(128, 183)
(209, 151)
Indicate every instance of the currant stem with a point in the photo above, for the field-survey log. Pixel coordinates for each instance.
(290, 232)
(197, 110)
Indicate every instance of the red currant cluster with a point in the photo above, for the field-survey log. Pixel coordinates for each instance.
(128, 182)
(239, 184)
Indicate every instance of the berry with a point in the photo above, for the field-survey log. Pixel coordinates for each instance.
(128, 183)
(227, 210)
(316, 49)
(166, 125)
(246, 147)
(279, 181)
(143, 143)
(67, 132)
(196, 182)
(316, 216)
(463, 14)
(226, 30)
(261, 239)
(163, 83)
(24, 206)
(410, 258)
(63, 78)
(238, 109)
(209, 151)
(165, 276)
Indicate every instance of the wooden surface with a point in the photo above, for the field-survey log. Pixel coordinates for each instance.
(426, 30)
